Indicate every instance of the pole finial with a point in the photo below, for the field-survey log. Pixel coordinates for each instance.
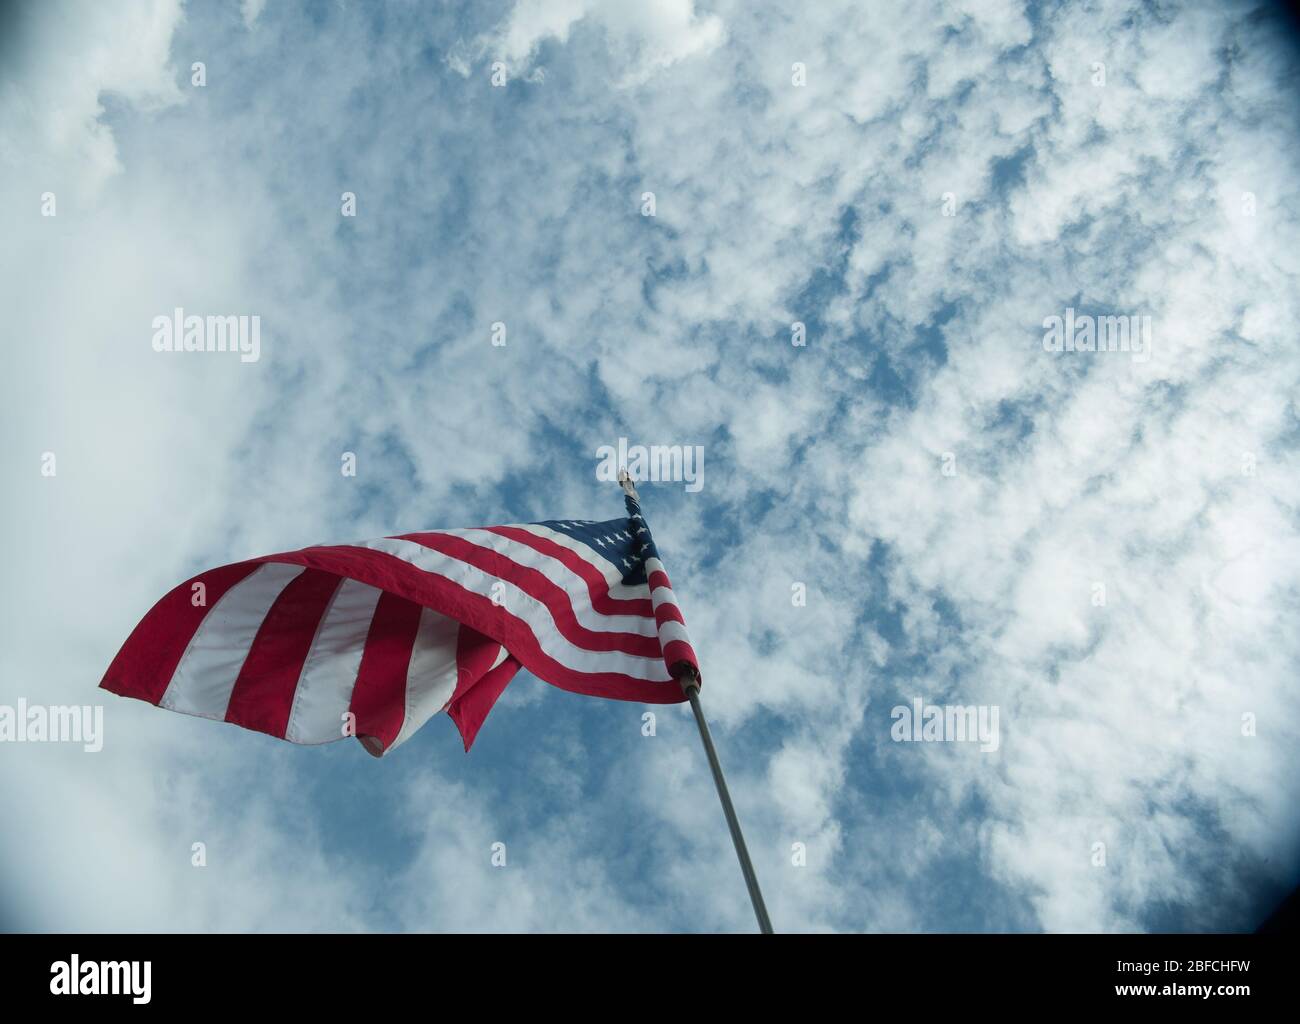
(625, 481)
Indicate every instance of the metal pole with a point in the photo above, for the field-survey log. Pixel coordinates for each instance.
(689, 680)
(691, 687)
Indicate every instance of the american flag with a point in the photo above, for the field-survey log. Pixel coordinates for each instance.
(373, 639)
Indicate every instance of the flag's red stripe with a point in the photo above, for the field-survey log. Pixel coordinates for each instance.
(666, 611)
(147, 661)
(475, 654)
(379, 697)
(658, 579)
(478, 684)
(263, 694)
(597, 585)
(536, 584)
(392, 574)
(676, 651)
(470, 711)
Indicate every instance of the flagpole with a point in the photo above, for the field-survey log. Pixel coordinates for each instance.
(688, 677)
(690, 684)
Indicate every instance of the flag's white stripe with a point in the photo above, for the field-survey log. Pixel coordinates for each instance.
(535, 615)
(502, 655)
(329, 674)
(673, 630)
(612, 574)
(602, 565)
(431, 674)
(564, 578)
(205, 677)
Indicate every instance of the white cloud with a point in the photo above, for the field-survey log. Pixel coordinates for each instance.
(251, 10)
(646, 37)
(50, 94)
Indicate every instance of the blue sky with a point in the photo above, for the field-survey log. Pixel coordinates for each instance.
(1171, 481)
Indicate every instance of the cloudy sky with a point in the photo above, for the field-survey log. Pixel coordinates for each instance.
(1103, 547)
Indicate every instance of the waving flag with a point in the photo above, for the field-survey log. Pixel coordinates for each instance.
(373, 639)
